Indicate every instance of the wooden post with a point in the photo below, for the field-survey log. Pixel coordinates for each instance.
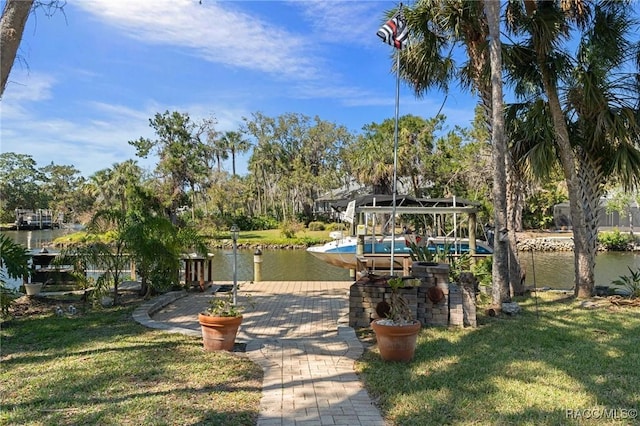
(187, 272)
(472, 237)
(200, 268)
(406, 266)
(257, 266)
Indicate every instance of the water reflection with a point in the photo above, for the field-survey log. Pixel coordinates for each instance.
(552, 269)
(556, 269)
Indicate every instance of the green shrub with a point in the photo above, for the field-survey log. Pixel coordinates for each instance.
(14, 263)
(252, 223)
(289, 228)
(7, 296)
(614, 240)
(335, 226)
(458, 265)
(316, 226)
(482, 270)
(630, 282)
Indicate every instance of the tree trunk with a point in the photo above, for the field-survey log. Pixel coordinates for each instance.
(584, 279)
(145, 289)
(583, 263)
(14, 19)
(233, 162)
(591, 181)
(500, 290)
(514, 208)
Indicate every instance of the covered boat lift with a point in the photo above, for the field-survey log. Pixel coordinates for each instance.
(355, 212)
(383, 204)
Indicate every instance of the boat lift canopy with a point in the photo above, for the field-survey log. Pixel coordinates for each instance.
(409, 205)
(383, 204)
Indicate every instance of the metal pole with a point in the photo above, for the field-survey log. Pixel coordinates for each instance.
(535, 287)
(395, 163)
(455, 228)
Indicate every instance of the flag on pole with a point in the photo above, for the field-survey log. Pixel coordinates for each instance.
(395, 31)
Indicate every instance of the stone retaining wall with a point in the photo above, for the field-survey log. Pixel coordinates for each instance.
(546, 244)
(456, 308)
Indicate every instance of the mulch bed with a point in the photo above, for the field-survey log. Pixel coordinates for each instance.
(25, 306)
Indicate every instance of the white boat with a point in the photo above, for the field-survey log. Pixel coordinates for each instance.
(341, 251)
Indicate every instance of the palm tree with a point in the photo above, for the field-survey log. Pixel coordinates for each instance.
(123, 176)
(218, 147)
(500, 292)
(594, 127)
(438, 27)
(155, 245)
(104, 248)
(235, 144)
(370, 159)
(109, 185)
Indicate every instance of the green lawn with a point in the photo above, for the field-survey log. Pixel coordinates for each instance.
(101, 367)
(524, 370)
(275, 237)
(265, 238)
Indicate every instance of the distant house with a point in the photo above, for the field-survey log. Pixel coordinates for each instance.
(333, 204)
(624, 221)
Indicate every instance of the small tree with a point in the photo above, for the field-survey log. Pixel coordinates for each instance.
(104, 248)
(155, 245)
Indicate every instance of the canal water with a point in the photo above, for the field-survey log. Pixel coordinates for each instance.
(544, 269)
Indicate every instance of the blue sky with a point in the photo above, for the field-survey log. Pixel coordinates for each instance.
(87, 81)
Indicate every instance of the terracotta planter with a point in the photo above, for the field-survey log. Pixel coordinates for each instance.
(396, 342)
(219, 333)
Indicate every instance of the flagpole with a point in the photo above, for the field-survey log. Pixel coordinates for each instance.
(395, 33)
(395, 162)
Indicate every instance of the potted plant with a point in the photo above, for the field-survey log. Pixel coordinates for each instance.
(32, 289)
(220, 323)
(397, 332)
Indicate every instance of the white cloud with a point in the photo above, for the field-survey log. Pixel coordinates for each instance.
(100, 137)
(213, 30)
(88, 144)
(342, 22)
(24, 86)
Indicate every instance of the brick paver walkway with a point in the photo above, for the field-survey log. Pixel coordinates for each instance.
(298, 333)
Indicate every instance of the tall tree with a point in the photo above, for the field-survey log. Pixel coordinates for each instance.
(20, 184)
(438, 29)
(591, 99)
(500, 290)
(183, 157)
(61, 186)
(294, 158)
(218, 146)
(235, 144)
(369, 158)
(109, 186)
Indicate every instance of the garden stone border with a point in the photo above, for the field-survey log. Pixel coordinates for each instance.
(143, 313)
